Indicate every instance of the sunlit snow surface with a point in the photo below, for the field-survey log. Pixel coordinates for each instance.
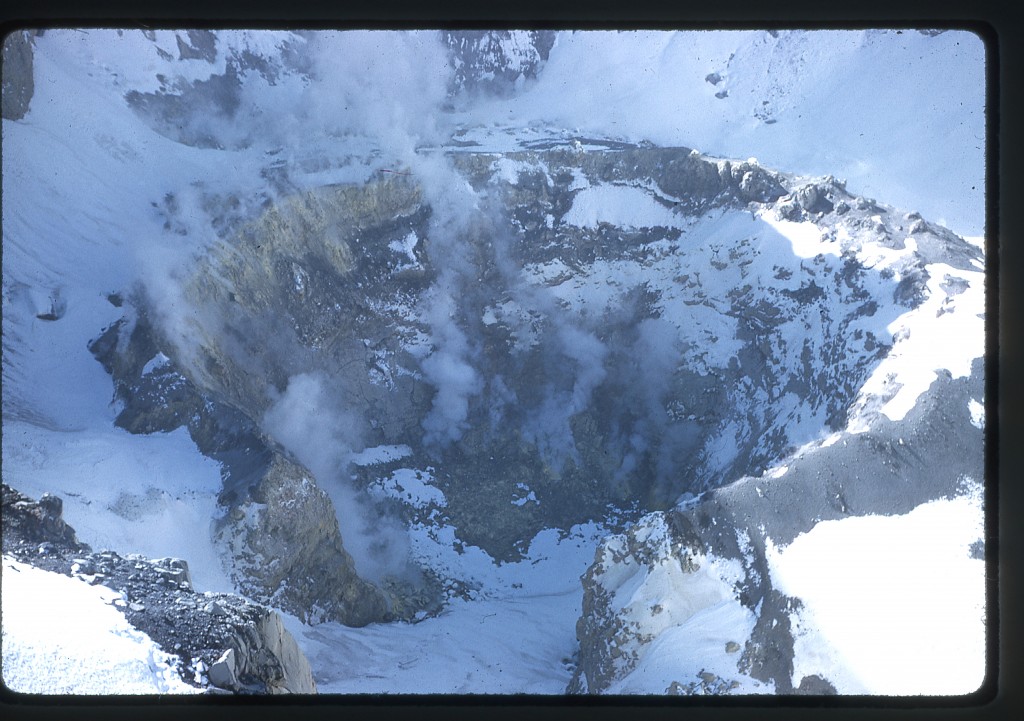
(892, 605)
(860, 105)
(63, 636)
(81, 174)
(154, 495)
(921, 336)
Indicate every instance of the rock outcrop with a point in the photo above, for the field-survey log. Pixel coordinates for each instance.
(887, 470)
(226, 643)
(497, 62)
(280, 532)
(18, 84)
(615, 362)
(287, 549)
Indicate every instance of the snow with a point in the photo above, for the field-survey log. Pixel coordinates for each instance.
(406, 245)
(73, 227)
(508, 170)
(977, 411)
(677, 619)
(409, 486)
(515, 633)
(624, 206)
(380, 454)
(63, 636)
(682, 652)
(155, 363)
(838, 106)
(892, 605)
(154, 495)
(806, 238)
(923, 343)
(528, 496)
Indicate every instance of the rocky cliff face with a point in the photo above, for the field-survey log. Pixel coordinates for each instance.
(279, 531)
(286, 547)
(496, 62)
(620, 362)
(714, 548)
(225, 642)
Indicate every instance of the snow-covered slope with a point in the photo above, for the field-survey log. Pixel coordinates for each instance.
(892, 112)
(526, 269)
(63, 636)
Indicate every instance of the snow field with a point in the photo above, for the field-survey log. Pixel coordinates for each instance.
(63, 636)
(155, 495)
(862, 105)
(892, 605)
(514, 633)
(621, 205)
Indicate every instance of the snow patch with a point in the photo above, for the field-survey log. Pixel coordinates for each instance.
(977, 411)
(155, 363)
(410, 486)
(63, 636)
(892, 605)
(380, 454)
(621, 205)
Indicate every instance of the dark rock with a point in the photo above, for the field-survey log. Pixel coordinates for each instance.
(201, 45)
(18, 84)
(39, 523)
(815, 685)
(482, 64)
(814, 199)
(172, 111)
(265, 657)
(977, 550)
(912, 289)
(291, 551)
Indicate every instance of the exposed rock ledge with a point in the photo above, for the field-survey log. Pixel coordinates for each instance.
(888, 470)
(226, 643)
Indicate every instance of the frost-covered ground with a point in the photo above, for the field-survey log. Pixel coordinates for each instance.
(513, 633)
(888, 605)
(892, 605)
(82, 174)
(63, 636)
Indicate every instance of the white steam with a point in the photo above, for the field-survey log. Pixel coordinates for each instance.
(378, 84)
(448, 368)
(312, 420)
(391, 87)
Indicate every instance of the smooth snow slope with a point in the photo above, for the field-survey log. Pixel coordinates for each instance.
(63, 636)
(898, 114)
(81, 174)
(892, 605)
